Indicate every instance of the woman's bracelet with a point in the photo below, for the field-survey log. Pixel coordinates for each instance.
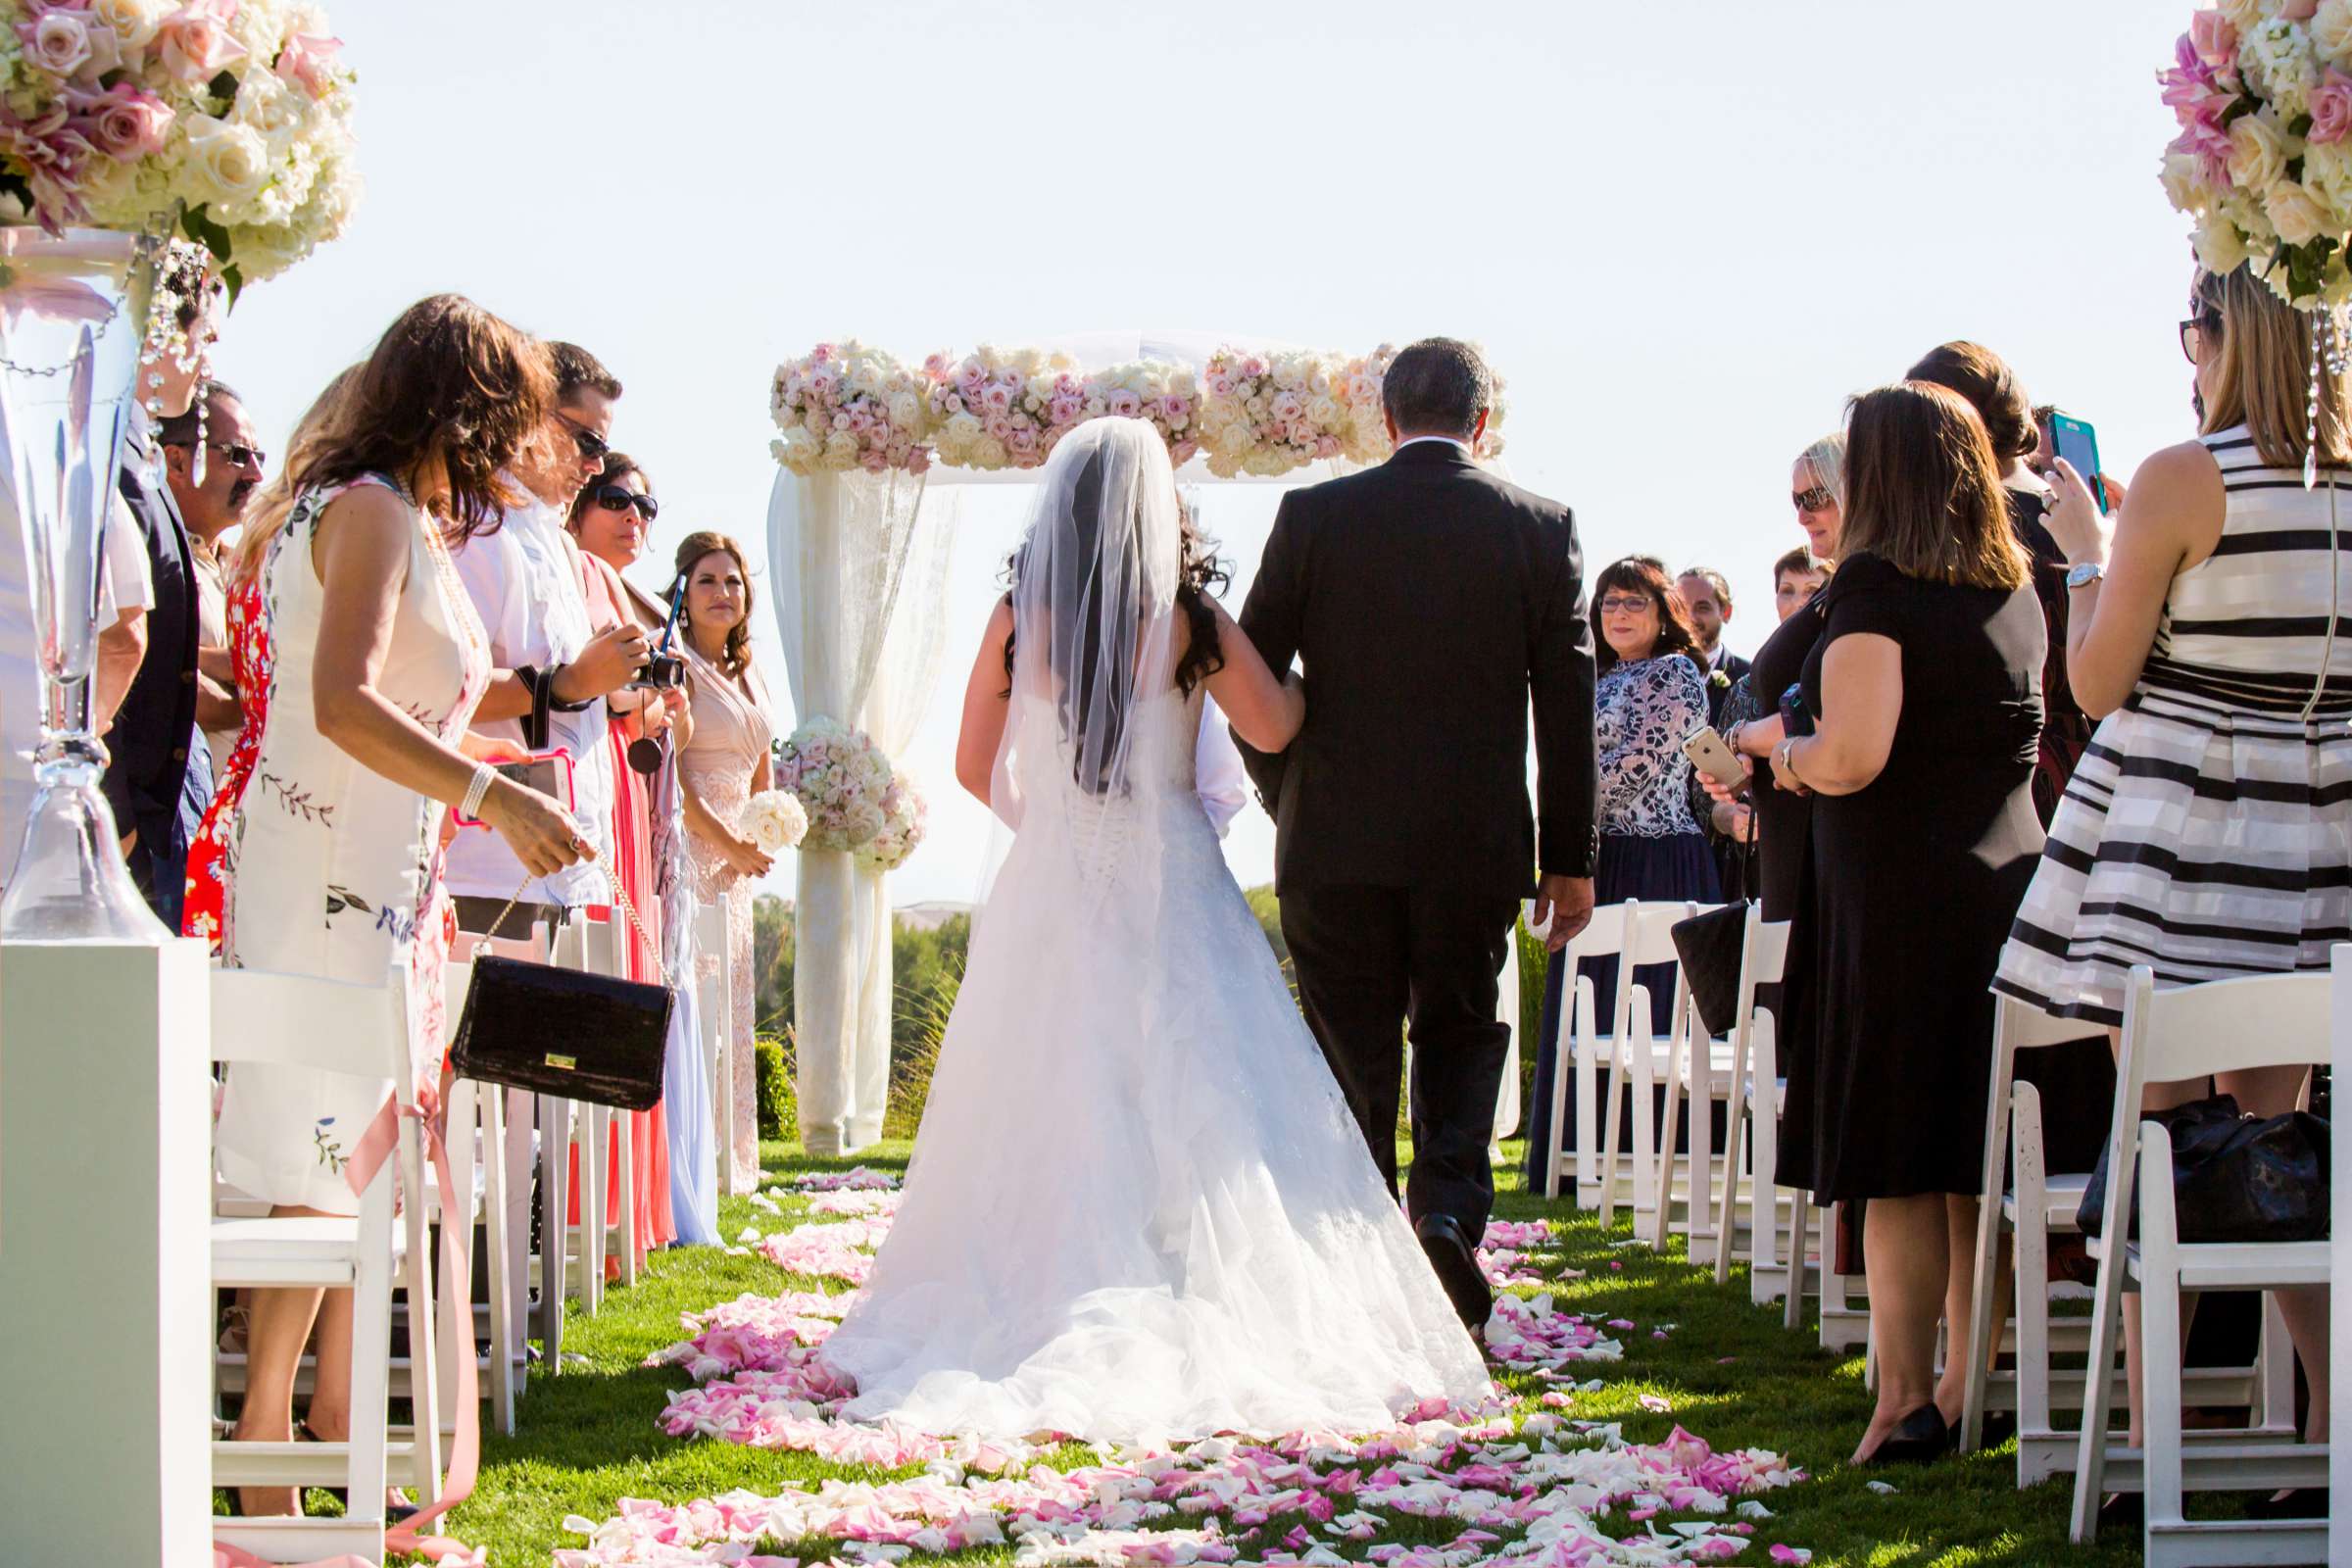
(1731, 737)
(1781, 763)
(484, 775)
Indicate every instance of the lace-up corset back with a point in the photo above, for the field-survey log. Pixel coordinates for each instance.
(1154, 798)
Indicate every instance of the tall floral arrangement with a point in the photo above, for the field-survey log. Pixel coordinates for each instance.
(231, 117)
(2262, 90)
(846, 405)
(849, 794)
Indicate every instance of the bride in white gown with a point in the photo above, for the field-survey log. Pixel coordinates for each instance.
(1138, 1209)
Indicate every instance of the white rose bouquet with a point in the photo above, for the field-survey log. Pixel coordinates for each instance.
(845, 405)
(231, 117)
(2262, 91)
(774, 821)
(851, 798)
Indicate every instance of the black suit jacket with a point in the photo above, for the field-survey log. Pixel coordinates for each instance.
(1720, 693)
(1429, 600)
(150, 783)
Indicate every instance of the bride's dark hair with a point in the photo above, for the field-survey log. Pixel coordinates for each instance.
(1200, 573)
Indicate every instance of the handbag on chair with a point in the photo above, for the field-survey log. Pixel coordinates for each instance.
(2234, 1178)
(1711, 946)
(564, 1032)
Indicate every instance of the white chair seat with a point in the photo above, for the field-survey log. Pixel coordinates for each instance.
(2064, 1203)
(297, 1251)
(2237, 1265)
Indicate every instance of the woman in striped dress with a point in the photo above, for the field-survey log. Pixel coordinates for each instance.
(2205, 833)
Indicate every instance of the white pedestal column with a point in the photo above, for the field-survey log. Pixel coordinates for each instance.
(105, 1264)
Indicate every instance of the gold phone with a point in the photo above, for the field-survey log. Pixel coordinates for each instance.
(1711, 756)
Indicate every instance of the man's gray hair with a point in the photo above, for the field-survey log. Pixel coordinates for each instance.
(1437, 386)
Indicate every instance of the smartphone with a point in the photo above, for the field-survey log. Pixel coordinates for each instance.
(1711, 755)
(547, 773)
(2079, 444)
(1794, 719)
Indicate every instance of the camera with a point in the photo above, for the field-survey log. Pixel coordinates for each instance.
(661, 673)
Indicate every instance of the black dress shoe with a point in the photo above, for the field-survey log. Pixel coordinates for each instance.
(1919, 1438)
(2303, 1503)
(2124, 1511)
(1999, 1426)
(1449, 1253)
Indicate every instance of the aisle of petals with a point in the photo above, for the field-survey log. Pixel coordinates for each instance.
(1517, 1484)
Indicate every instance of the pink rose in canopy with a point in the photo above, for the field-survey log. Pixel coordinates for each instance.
(122, 121)
(195, 41)
(57, 40)
(311, 62)
(2213, 36)
(2299, 9)
(2331, 107)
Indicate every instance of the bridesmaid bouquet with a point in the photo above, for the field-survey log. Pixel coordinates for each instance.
(2262, 91)
(232, 117)
(854, 801)
(774, 820)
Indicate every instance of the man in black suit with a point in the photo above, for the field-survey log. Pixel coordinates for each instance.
(1429, 602)
(1707, 596)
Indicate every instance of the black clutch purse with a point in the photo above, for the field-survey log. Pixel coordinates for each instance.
(564, 1032)
(1712, 945)
(2234, 1178)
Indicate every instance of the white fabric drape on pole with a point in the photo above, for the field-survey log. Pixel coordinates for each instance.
(843, 553)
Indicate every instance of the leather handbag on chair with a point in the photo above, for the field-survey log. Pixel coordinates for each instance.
(564, 1032)
(2235, 1178)
(1712, 946)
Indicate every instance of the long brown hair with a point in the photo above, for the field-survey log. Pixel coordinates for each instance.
(1991, 388)
(448, 380)
(320, 426)
(735, 656)
(2262, 372)
(1644, 575)
(1923, 489)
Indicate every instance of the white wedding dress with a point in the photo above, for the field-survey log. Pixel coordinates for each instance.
(1138, 1209)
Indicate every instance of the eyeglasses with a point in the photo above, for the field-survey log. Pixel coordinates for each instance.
(1625, 604)
(621, 498)
(1817, 499)
(2192, 336)
(241, 455)
(591, 444)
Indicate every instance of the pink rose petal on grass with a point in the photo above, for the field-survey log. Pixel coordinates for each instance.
(1651, 1401)
(1794, 1556)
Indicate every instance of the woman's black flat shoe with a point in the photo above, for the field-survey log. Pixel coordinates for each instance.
(2303, 1503)
(1920, 1438)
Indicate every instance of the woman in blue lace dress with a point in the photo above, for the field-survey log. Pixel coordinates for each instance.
(1652, 693)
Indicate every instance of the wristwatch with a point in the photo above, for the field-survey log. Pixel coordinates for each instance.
(2083, 573)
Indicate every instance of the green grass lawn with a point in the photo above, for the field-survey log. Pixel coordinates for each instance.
(1733, 1377)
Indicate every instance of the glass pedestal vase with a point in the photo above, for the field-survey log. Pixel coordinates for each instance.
(72, 320)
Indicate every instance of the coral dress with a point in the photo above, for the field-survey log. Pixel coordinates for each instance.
(209, 864)
(337, 867)
(632, 862)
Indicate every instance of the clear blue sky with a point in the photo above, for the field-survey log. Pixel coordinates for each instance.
(1684, 235)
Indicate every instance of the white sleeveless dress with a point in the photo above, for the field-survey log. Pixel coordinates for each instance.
(336, 870)
(1139, 1208)
(2206, 832)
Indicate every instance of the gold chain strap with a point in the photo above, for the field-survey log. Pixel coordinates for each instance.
(620, 897)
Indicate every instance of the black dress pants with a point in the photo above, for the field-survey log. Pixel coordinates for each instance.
(1375, 965)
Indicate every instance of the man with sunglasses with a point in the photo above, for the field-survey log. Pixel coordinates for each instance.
(233, 469)
(552, 672)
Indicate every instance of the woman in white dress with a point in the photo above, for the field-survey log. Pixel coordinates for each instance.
(336, 860)
(1138, 1209)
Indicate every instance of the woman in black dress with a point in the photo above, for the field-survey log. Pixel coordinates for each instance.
(1924, 697)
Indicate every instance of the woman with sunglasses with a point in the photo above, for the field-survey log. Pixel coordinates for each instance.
(609, 519)
(1651, 694)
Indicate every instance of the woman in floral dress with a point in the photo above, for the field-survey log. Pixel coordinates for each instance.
(721, 768)
(337, 847)
(250, 653)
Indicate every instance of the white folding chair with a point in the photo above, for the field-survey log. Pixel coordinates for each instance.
(607, 953)
(1844, 1320)
(1750, 1096)
(578, 1250)
(1638, 1058)
(718, 1012)
(293, 1021)
(2170, 1036)
(502, 1118)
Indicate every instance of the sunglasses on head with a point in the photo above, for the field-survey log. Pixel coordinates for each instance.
(1817, 499)
(591, 444)
(621, 498)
